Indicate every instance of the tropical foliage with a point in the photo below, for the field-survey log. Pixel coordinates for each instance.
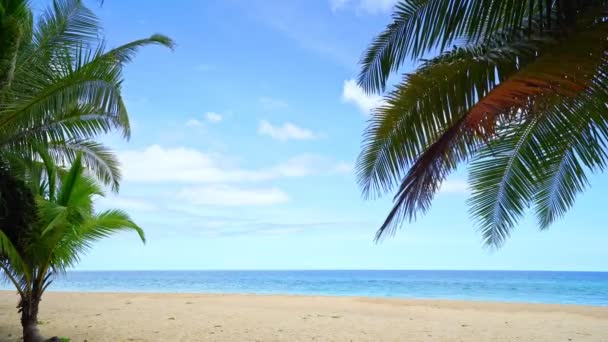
(66, 226)
(60, 86)
(516, 89)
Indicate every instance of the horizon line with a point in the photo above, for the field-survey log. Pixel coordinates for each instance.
(336, 270)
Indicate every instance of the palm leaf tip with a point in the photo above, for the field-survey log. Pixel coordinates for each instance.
(163, 40)
(140, 232)
(123, 219)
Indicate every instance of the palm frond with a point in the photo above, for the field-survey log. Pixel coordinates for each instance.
(14, 276)
(542, 161)
(52, 216)
(76, 188)
(67, 23)
(563, 70)
(51, 173)
(427, 101)
(420, 26)
(69, 182)
(82, 121)
(9, 252)
(107, 223)
(501, 182)
(577, 146)
(126, 52)
(95, 157)
(424, 178)
(15, 19)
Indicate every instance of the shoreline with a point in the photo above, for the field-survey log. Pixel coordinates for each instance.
(122, 316)
(421, 300)
(405, 299)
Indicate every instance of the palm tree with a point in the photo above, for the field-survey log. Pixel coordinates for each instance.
(515, 88)
(15, 17)
(66, 227)
(59, 85)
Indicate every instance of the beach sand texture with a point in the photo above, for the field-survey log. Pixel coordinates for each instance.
(210, 317)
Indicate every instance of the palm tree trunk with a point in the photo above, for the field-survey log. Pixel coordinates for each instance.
(29, 319)
(10, 37)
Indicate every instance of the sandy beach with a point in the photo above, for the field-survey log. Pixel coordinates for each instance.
(201, 317)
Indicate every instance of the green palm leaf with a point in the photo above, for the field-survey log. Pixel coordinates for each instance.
(95, 157)
(427, 102)
(516, 98)
(66, 90)
(420, 26)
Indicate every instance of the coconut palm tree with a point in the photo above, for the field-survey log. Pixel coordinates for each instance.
(66, 227)
(15, 17)
(514, 88)
(60, 87)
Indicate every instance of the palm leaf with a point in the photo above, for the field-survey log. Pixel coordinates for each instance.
(65, 24)
(421, 26)
(579, 147)
(427, 101)
(9, 252)
(107, 223)
(95, 157)
(564, 70)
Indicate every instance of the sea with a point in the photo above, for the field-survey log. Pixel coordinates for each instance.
(585, 288)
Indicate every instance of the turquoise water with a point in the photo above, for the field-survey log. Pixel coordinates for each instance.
(589, 288)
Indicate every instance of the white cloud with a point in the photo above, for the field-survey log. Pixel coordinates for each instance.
(369, 6)
(187, 165)
(213, 117)
(270, 103)
(126, 203)
(354, 94)
(193, 123)
(343, 167)
(455, 186)
(302, 165)
(223, 195)
(287, 131)
(158, 164)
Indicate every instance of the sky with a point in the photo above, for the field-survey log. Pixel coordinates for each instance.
(244, 144)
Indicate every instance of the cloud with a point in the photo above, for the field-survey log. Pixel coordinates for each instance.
(343, 167)
(213, 117)
(295, 225)
(455, 186)
(287, 131)
(187, 165)
(301, 166)
(193, 123)
(368, 6)
(125, 203)
(224, 195)
(354, 94)
(270, 103)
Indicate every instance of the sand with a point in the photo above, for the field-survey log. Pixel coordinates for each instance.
(201, 317)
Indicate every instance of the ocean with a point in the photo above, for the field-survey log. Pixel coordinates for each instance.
(585, 288)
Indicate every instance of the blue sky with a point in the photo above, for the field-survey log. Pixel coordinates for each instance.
(244, 140)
